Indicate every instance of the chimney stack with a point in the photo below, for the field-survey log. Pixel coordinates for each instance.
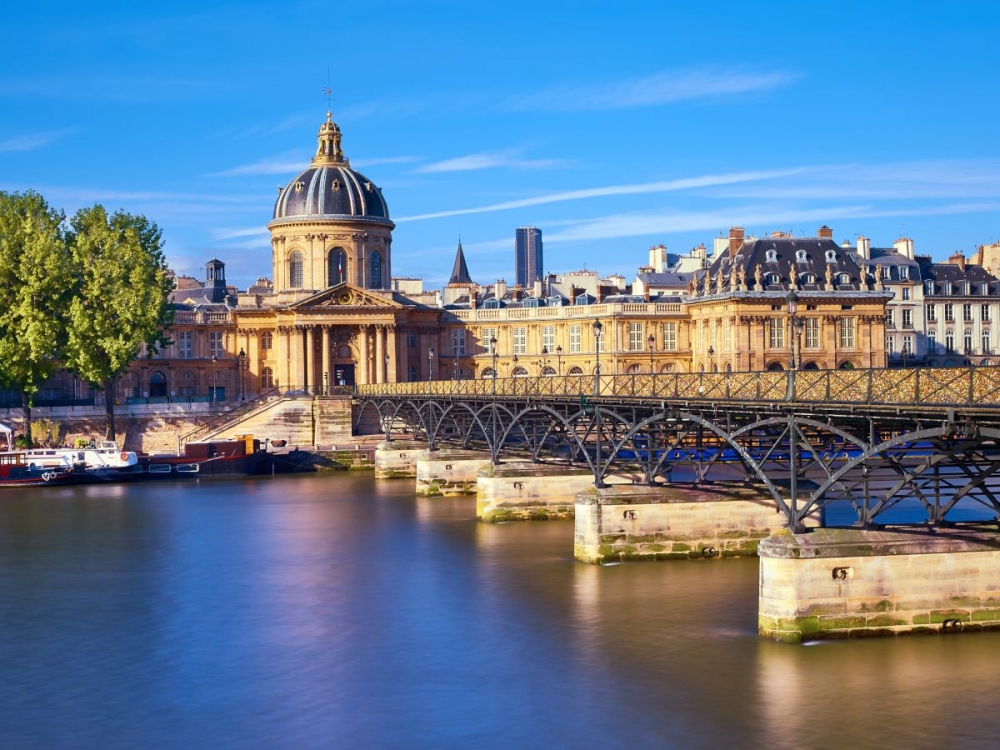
(825, 233)
(500, 290)
(958, 258)
(735, 240)
(904, 246)
(864, 247)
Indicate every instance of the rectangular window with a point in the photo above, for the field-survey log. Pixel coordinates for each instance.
(932, 343)
(776, 337)
(847, 333)
(907, 318)
(520, 340)
(949, 312)
(968, 342)
(411, 373)
(890, 318)
(215, 344)
(488, 335)
(574, 339)
(967, 313)
(549, 338)
(669, 337)
(458, 341)
(601, 339)
(727, 335)
(411, 339)
(984, 313)
(949, 342)
(812, 333)
(906, 292)
(907, 345)
(986, 342)
(931, 311)
(904, 273)
(636, 337)
(890, 345)
(185, 342)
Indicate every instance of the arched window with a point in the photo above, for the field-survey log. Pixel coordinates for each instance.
(336, 267)
(267, 378)
(574, 370)
(633, 370)
(295, 269)
(488, 372)
(549, 372)
(669, 367)
(376, 270)
(266, 340)
(519, 372)
(157, 385)
(776, 367)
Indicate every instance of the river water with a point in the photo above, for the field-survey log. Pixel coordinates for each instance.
(337, 612)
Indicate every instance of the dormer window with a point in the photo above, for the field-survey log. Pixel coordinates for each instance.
(904, 273)
(492, 304)
(929, 287)
(808, 278)
(844, 278)
(299, 185)
(336, 185)
(530, 302)
(887, 273)
(771, 255)
(831, 256)
(773, 278)
(800, 256)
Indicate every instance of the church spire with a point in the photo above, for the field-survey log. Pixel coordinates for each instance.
(460, 273)
(329, 153)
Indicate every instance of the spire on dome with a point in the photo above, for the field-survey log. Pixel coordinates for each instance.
(460, 273)
(329, 152)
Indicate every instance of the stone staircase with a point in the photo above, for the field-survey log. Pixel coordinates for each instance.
(299, 420)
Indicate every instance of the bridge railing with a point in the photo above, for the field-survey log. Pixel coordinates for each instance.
(937, 386)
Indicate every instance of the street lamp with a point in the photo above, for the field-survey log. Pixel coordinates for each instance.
(651, 340)
(387, 360)
(598, 328)
(795, 324)
(243, 361)
(545, 359)
(493, 351)
(559, 359)
(454, 362)
(711, 358)
(430, 364)
(211, 390)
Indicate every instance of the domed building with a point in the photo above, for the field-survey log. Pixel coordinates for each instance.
(330, 226)
(331, 318)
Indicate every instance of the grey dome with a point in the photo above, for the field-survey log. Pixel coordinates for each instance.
(330, 191)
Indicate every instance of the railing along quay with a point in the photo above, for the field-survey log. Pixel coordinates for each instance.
(966, 388)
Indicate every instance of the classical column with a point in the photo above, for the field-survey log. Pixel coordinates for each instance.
(326, 375)
(310, 361)
(298, 358)
(284, 374)
(380, 354)
(363, 355)
(392, 375)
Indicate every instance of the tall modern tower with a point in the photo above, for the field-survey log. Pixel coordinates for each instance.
(527, 256)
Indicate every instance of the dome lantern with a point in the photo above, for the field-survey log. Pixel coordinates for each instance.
(329, 152)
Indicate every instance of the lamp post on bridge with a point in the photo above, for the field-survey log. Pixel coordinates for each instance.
(211, 389)
(559, 359)
(545, 359)
(242, 365)
(430, 364)
(493, 350)
(598, 328)
(651, 340)
(711, 358)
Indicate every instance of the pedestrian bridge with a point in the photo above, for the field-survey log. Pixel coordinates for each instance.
(891, 445)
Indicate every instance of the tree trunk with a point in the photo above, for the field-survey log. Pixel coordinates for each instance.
(109, 408)
(26, 415)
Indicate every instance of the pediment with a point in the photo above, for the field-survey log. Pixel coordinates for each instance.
(346, 296)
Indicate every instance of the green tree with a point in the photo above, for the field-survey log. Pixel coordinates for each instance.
(121, 297)
(35, 280)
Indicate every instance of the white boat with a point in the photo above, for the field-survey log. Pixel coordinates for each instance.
(104, 458)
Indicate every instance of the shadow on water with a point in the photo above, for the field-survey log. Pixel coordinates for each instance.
(334, 611)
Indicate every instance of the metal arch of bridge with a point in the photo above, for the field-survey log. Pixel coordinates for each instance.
(876, 461)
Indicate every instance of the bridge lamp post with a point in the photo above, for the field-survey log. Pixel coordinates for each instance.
(493, 349)
(795, 324)
(651, 340)
(711, 358)
(430, 364)
(545, 358)
(559, 359)
(598, 328)
(454, 364)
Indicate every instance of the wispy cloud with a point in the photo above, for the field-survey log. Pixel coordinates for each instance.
(488, 160)
(635, 224)
(599, 192)
(33, 140)
(294, 162)
(661, 88)
(229, 234)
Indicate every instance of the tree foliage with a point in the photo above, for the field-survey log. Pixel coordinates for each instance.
(35, 282)
(120, 299)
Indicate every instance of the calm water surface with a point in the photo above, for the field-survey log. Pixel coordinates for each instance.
(334, 612)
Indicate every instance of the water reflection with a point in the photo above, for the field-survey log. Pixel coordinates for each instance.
(336, 611)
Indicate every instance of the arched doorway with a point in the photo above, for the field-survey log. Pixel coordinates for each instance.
(157, 385)
(775, 367)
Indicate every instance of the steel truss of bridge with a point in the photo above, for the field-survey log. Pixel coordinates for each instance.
(882, 446)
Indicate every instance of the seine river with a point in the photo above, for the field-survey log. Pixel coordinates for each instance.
(337, 612)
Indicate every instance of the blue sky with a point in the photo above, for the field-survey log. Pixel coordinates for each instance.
(610, 128)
